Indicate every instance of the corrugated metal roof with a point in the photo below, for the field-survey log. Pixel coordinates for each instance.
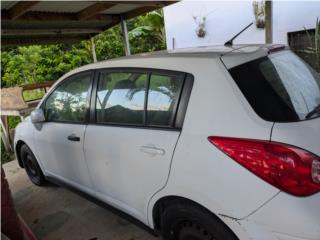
(44, 22)
(7, 4)
(56, 6)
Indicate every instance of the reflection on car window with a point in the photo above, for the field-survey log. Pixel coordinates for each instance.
(120, 98)
(298, 80)
(280, 87)
(68, 103)
(162, 97)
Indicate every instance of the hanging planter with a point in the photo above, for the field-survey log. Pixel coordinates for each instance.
(259, 13)
(200, 26)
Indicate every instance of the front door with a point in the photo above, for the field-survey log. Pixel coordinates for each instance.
(131, 144)
(59, 140)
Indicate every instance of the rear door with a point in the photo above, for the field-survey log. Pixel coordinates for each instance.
(130, 142)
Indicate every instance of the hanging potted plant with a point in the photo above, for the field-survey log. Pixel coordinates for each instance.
(259, 13)
(200, 26)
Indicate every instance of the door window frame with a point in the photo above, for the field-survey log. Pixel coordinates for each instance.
(88, 98)
(179, 109)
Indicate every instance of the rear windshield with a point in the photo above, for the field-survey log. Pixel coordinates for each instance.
(280, 87)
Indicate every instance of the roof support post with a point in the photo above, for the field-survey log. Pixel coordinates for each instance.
(5, 134)
(269, 24)
(93, 50)
(125, 36)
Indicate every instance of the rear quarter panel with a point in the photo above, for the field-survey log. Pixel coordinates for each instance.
(199, 170)
(303, 134)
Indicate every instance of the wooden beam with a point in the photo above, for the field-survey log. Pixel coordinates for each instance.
(58, 31)
(33, 86)
(53, 16)
(138, 12)
(21, 8)
(42, 40)
(144, 3)
(93, 10)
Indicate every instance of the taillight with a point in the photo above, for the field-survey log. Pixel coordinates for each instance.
(289, 168)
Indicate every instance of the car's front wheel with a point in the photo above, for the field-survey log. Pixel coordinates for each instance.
(188, 221)
(31, 166)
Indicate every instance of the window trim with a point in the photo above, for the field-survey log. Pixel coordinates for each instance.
(69, 78)
(180, 107)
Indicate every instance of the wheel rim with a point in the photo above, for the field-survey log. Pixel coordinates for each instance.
(193, 231)
(31, 167)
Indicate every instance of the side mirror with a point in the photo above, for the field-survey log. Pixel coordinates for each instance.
(37, 116)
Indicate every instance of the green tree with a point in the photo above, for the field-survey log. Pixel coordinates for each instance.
(147, 33)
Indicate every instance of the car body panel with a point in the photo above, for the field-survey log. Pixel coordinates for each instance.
(299, 217)
(197, 171)
(304, 134)
(60, 156)
(196, 156)
(120, 168)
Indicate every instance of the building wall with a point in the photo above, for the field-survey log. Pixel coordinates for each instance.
(226, 18)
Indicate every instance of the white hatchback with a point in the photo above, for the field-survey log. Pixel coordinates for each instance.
(208, 143)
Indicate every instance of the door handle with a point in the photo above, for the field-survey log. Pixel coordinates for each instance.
(152, 150)
(74, 138)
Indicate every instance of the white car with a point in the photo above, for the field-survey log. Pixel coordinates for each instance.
(208, 143)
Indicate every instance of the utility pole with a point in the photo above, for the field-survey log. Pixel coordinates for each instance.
(269, 23)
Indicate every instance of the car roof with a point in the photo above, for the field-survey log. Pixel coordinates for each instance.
(204, 51)
(194, 52)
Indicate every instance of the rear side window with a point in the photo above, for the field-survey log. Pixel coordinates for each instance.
(120, 98)
(163, 95)
(280, 87)
(138, 98)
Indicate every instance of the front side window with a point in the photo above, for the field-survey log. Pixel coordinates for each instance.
(68, 102)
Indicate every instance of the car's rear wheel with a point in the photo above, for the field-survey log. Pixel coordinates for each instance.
(31, 166)
(187, 221)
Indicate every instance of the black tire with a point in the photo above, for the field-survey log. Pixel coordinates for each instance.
(188, 221)
(31, 166)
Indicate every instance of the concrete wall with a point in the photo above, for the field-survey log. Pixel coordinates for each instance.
(226, 18)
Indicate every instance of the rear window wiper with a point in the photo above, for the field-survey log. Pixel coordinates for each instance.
(316, 110)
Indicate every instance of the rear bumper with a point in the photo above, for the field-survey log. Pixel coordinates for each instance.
(285, 218)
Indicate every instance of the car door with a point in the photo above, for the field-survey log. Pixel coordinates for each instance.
(131, 142)
(59, 140)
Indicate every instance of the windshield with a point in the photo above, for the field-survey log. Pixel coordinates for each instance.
(280, 87)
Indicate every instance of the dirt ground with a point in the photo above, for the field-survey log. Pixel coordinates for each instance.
(55, 213)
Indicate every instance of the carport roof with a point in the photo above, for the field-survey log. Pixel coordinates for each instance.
(44, 22)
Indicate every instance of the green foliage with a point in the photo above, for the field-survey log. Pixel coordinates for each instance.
(5, 156)
(13, 121)
(147, 33)
(8, 156)
(109, 44)
(33, 64)
(23, 65)
(34, 94)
